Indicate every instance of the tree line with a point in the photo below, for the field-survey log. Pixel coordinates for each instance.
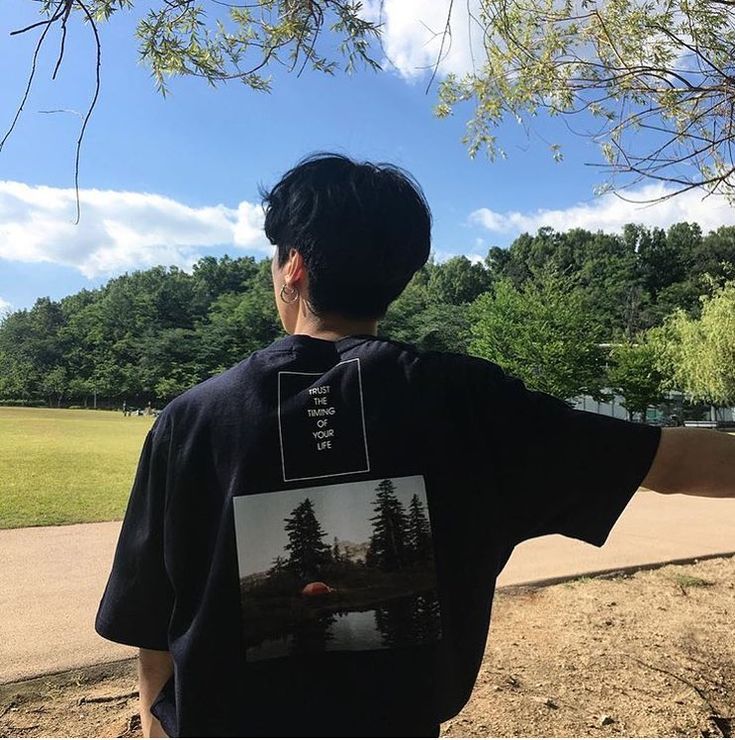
(576, 312)
(399, 539)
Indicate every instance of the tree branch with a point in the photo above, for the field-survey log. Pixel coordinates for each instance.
(92, 105)
(31, 76)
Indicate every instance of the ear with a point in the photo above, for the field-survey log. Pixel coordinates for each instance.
(295, 267)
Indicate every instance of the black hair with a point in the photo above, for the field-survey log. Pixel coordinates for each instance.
(362, 229)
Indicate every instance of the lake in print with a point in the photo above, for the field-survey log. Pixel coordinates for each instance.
(399, 623)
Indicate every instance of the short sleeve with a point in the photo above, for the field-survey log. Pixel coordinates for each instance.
(137, 602)
(559, 470)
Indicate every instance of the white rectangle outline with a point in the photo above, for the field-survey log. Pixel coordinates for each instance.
(362, 411)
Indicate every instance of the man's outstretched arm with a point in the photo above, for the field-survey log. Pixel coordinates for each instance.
(693, 461)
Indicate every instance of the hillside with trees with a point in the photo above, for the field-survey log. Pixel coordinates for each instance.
(545, 308)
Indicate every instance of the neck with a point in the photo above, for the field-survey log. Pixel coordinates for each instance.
(333, 328)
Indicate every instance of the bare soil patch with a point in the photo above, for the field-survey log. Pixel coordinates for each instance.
(650, 654)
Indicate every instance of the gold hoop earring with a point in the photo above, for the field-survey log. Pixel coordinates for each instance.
(289, 293)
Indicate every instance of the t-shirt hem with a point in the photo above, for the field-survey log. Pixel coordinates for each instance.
(111, 632)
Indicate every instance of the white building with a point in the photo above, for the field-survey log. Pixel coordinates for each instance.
(614, 407)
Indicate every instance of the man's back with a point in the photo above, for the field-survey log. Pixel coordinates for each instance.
(315, 534)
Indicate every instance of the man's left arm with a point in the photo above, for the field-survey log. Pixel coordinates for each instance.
(155, 667)
(695, 462)
(138, 600)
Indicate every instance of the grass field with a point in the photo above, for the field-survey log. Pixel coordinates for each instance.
(59, 466)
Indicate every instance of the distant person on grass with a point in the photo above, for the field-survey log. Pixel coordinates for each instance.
(313, 537)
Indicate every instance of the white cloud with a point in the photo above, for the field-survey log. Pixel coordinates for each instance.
(412, 32)
(441, 255)
(610, 213)
(5, 306)
(414, 36)
(118, 230)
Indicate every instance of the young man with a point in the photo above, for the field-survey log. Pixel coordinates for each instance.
(313, 537)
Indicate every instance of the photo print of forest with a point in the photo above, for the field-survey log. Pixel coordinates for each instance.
(339, 567)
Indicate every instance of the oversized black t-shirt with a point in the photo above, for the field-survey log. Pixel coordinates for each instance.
(315, 534)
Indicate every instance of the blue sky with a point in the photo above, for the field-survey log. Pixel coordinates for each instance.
(167, 180)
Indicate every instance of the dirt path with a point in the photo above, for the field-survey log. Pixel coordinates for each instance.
(49, 606)
(650, 654)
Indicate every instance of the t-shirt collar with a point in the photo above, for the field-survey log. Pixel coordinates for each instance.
(303, 341)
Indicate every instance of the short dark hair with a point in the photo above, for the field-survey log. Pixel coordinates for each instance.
(362, 229)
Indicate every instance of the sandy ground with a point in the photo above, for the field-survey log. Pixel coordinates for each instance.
(646, 655)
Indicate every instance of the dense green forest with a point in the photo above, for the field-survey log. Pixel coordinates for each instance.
(147, 336)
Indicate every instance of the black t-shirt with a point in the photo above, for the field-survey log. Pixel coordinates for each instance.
(315, 534)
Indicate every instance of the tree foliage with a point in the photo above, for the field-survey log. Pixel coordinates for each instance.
(432, 310)
(541, 333)
(143, 337)
(149, 335)
(632, 280)
(220, 41)
(657, 77)
(703, 349)
(635, 373)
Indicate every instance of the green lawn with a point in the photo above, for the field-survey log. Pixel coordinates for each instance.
(59, 466)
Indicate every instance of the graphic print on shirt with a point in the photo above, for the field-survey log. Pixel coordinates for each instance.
(321, 422)
(339, 567)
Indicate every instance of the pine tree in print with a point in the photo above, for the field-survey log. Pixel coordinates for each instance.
(388, 548)
(307, 552)
(419, 532)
